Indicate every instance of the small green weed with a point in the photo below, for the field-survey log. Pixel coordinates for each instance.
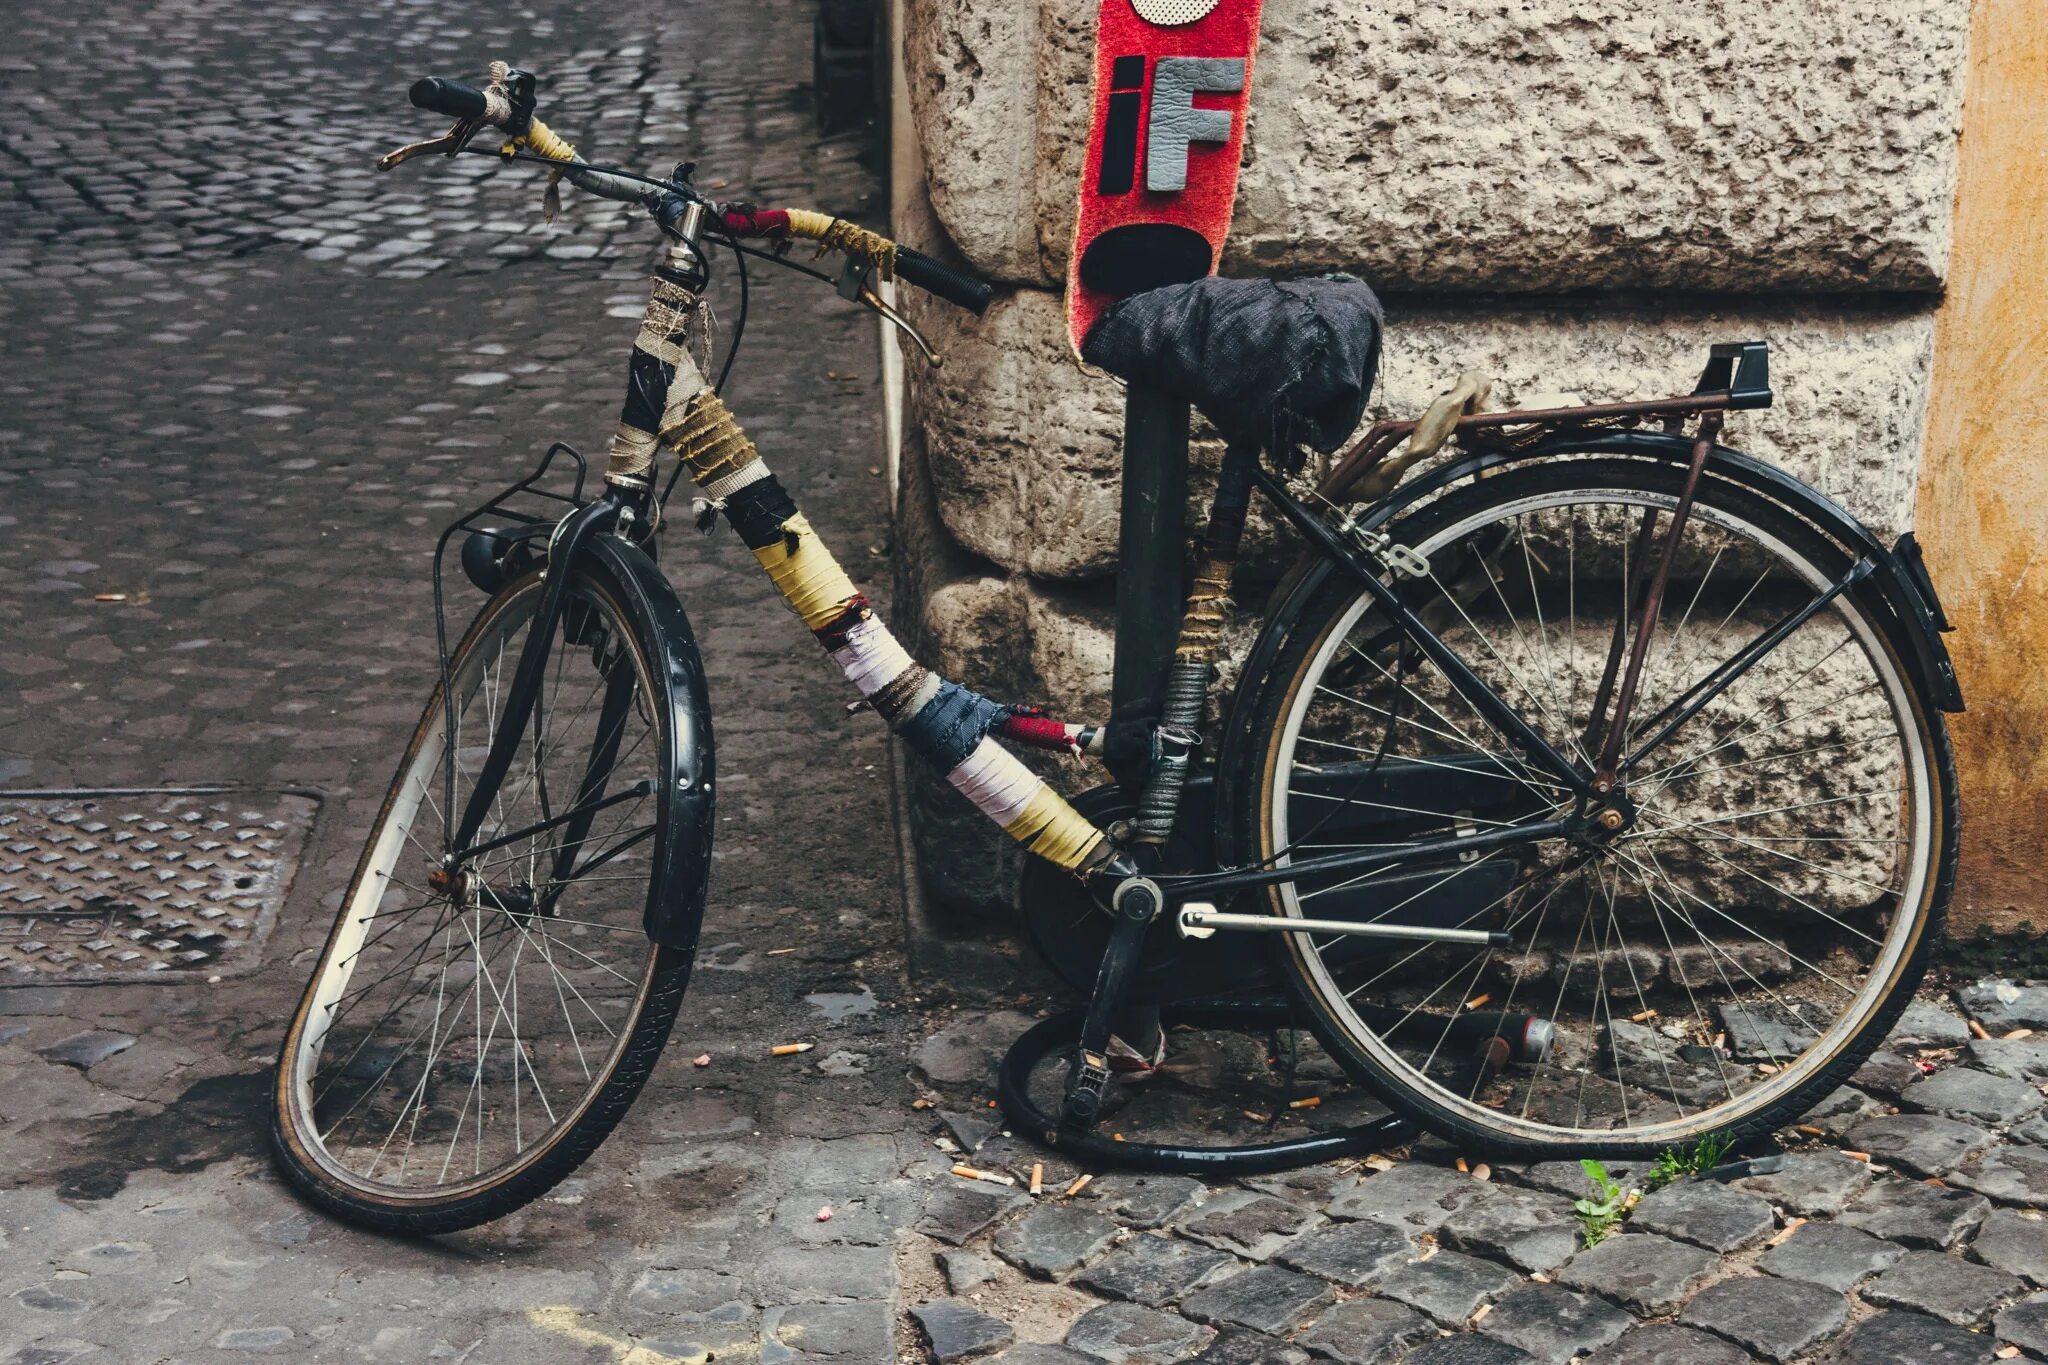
(1611, 1202)
(1604, 1212)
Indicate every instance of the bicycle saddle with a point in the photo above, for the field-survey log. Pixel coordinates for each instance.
(1278, 363)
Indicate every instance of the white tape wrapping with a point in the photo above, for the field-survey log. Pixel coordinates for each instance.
(720, 489)
(999, 786)
(871, 657)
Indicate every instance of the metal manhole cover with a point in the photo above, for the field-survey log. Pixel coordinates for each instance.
(143, 885)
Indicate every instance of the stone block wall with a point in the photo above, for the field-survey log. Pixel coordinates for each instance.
(1574, 196)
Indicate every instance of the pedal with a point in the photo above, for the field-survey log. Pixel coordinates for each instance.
(1086, 1086)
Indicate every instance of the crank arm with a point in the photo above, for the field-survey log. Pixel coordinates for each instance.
(1202, 921)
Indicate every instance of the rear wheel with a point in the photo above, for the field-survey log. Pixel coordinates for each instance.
(467, 1040)
(1715, 966)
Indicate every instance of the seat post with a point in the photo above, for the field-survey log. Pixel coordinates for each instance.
(1151, 529)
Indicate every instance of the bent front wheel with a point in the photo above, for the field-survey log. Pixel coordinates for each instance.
(1780, 854)
(470, 1035)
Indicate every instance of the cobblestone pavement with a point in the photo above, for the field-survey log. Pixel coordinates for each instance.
(244, 395)
(1905, 1225)
(248, 380)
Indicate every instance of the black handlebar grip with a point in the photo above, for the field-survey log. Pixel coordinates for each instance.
(452, 98)
(914, 267)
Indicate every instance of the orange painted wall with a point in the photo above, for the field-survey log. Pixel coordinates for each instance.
(1983, 500)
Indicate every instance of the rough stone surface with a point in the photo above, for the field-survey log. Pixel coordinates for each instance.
(2014, 1242)
(1052, 1242)
(1250, 1224)
(1830, 1254)
(1886, 1073)
(1628, 194)
(957, 1211)
(967, 1270)
(2001, 1005)
(87, 1050)
(1154, 1271)
(1916, 1214)
(1265, 1298)
(1922, 1143)
(1926, 1027)
(1366, 1331)
(1944, 1286)
(1468, 1350)
(1354, 1255)
(1705, 1213)
(1125, 1334)
(1776, 1319)
(1893, 1337)
(1143, 1201)
(1414, 1197)
(1658, 1344)
(1536, 1232)
(1811, 1184)
(1041, 1353)
(1963, 1093)
(1448, 1286)
(2024, 1059)
(2025, 1325)
(2011, 1175)
(1641, 1271)
(1242, 1346)
(1022, 444)
(1553, 1324)
(955, 1331)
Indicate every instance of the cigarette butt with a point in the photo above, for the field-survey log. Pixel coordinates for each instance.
(1309, 1103)
(1767, 1068)
(1037, 1176)
(2008, 1352)
(2017, 1034)
(1116, 1137)
(1935, 1181)
(1977, 1030)
(1462, 1166)
(1427, 1252)
(1379, 1162)
(778, 952)
(1642, 1016)
(1856, 1156)
(1480, 1316)
(1787, 1231)
(110, 597)
(1482, 1172)
(1080, 1184)
(1811, 1131)
(789, 1049)
(920, 1103)
(1479, 1001)
(701, 1059)
(1721, 1042)
(992, 1177)
(1256, 1117)
(991, 1104)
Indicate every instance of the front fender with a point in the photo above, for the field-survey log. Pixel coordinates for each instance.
(684, 820)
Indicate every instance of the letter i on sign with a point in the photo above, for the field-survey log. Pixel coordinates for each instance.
(1172, 82)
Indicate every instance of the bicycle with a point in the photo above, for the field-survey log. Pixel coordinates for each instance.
(1591, 789)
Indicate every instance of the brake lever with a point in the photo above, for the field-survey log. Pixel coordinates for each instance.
(449, 143)
(853, 285)
(869, 299)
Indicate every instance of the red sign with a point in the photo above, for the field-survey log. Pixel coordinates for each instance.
(1172, 81)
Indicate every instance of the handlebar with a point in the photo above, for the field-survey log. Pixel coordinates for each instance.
(507, 104)
(452, 98)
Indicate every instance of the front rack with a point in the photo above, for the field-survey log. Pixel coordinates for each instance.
(520, 510)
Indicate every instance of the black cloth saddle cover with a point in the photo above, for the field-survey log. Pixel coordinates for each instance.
(1277, 363)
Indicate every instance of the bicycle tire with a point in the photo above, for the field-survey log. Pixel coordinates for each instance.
(297, 1145)
(1253, 749)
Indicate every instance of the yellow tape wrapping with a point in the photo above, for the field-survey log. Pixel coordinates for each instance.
(808, 575)
(1055, 831)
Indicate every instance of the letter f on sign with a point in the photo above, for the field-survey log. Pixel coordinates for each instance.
(1175, 122)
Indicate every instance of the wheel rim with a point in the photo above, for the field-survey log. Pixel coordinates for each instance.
(1666, 1039)
(454, 1033)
